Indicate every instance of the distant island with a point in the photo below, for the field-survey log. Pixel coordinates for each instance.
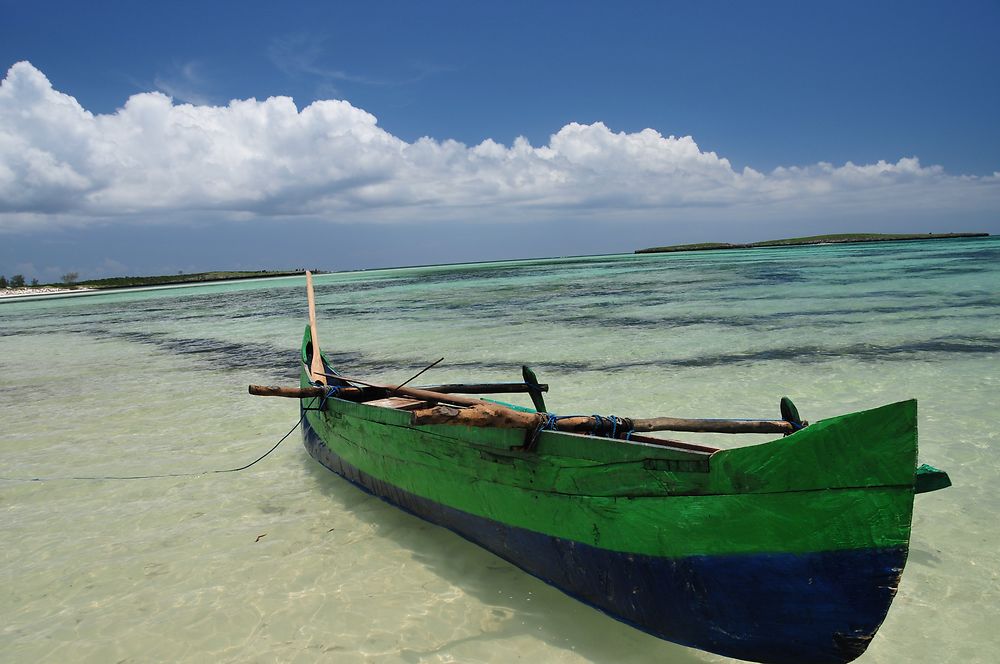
(839, 238)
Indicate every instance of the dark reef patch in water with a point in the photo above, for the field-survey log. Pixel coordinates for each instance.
(927, 349)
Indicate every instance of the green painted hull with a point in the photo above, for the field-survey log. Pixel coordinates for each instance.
(717, 530)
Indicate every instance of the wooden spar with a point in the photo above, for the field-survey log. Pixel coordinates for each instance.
(417, 393)
(481, 413)
(486, 388)
(584, 424)
(495, 415)
(297, 392)
(536, 393)
(473, 388)
(316, 370)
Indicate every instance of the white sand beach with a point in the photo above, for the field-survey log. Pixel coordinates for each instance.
(29, 291)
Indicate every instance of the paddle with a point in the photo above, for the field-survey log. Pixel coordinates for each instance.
(317, 372)
(536, 390)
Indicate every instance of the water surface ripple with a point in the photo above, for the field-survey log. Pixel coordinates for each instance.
(285, 562)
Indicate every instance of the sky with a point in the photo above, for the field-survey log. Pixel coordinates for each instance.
(142, 138)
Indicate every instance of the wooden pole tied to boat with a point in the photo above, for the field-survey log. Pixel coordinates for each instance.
(351, 392)
(535, 389)
(310, 392)
(486, 414)
(483, 414)
(480, 413)
(317, 372)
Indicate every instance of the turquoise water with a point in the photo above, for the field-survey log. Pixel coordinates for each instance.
(286, 562)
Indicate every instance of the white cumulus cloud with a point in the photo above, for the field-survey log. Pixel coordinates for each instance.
(155, 158)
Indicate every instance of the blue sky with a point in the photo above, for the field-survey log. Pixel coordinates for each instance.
(472, 131)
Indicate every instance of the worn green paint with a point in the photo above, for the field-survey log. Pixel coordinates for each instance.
(930, 479)
(842, 483)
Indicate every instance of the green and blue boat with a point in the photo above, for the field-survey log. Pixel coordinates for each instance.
(788, 551)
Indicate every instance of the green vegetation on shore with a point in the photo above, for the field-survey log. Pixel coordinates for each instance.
(194, 278)
(837, 238)
(70, 282)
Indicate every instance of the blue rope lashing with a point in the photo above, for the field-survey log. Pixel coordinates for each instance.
(331, 392)
(601, 422)
(546, 423)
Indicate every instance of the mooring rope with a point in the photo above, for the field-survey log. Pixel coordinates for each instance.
(149, 477)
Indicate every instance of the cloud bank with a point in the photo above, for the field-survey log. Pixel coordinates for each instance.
(155, 160)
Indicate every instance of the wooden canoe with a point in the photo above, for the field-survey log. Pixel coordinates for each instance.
(788, 551)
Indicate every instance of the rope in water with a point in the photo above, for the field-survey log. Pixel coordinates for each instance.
(149, 477)
(547, 424)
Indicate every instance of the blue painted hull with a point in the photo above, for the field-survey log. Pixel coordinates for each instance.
(781, 608)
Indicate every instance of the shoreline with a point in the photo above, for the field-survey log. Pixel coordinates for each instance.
(812, 240)
(96, 286)
(34, 291)
(163, 281)
(55, 293)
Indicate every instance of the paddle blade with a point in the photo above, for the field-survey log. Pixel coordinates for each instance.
(316, 369)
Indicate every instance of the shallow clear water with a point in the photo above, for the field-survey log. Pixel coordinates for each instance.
(287, 562)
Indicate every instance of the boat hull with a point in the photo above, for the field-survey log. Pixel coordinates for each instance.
(766, 606)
